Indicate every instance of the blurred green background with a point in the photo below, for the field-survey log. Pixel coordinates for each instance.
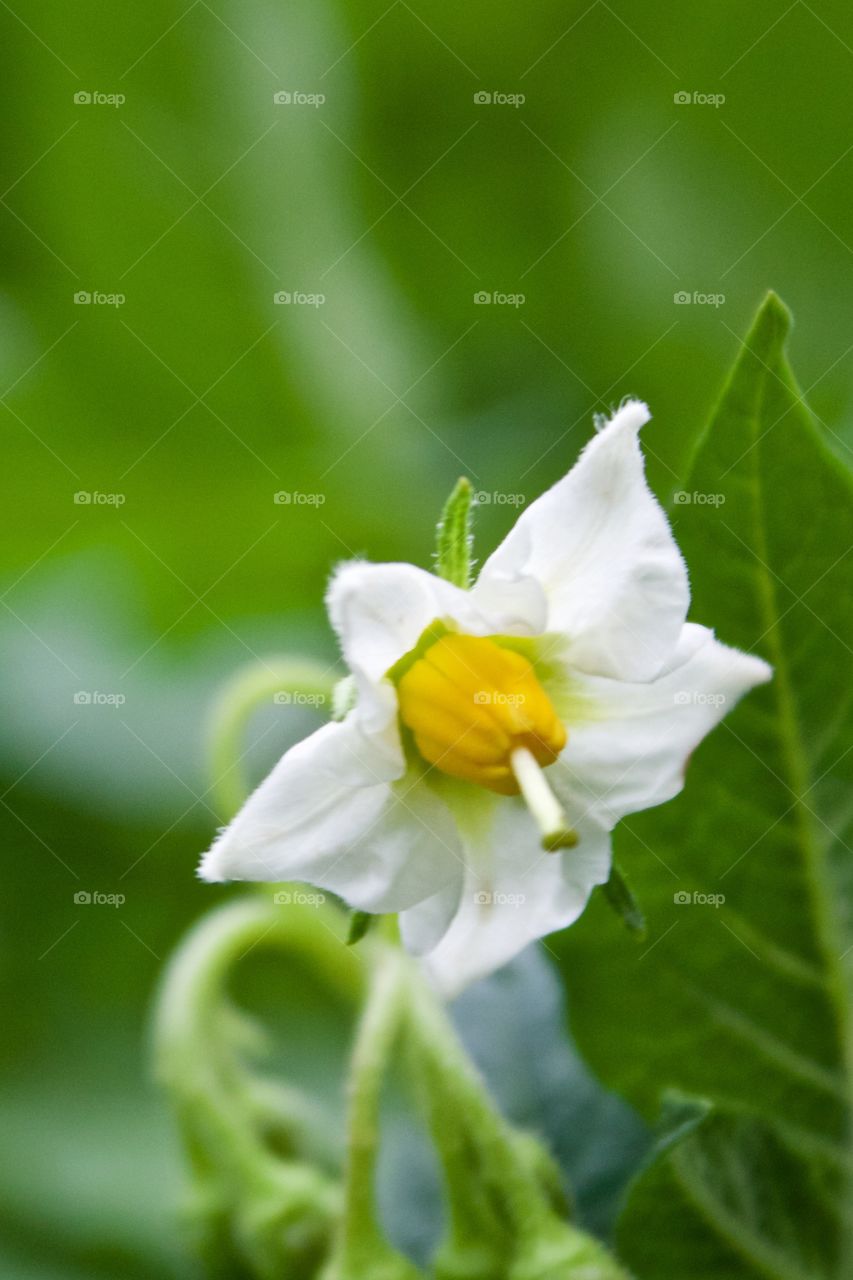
(185, 404)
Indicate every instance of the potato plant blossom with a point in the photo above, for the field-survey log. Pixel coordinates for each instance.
(498, 732)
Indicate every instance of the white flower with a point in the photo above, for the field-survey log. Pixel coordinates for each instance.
(499, 734)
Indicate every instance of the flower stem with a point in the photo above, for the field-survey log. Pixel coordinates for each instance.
(362, 1249)
(500, 1182)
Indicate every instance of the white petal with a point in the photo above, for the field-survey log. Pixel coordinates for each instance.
(338, 812)
(514, 605)
(423, 926)
(513, 893)
(631, 751)
(601, 546)
(380, 611)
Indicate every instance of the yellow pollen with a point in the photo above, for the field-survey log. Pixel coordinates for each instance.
(473, 706)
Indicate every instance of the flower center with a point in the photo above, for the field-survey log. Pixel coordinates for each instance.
(478, 712)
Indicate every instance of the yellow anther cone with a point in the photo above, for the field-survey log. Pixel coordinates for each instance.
(471, 703)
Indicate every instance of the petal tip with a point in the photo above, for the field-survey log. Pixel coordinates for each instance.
(211, 869)
(630, 416)
(341, 583)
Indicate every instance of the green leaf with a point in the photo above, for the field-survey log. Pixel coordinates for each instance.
(742, 993)
(730, 1196)
(454, 537)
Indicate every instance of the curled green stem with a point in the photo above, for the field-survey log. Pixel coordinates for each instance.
(265, 1184)
(196, 1028)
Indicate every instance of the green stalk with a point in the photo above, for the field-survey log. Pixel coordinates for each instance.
(362, 1250)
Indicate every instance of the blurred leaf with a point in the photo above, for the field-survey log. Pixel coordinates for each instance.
(513, 1024)
(742, 993)
(120, 722)
(94, 1182)
(732, 1198)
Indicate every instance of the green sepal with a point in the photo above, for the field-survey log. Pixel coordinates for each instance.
(454, 539)
(359, 923)
(620, 897)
